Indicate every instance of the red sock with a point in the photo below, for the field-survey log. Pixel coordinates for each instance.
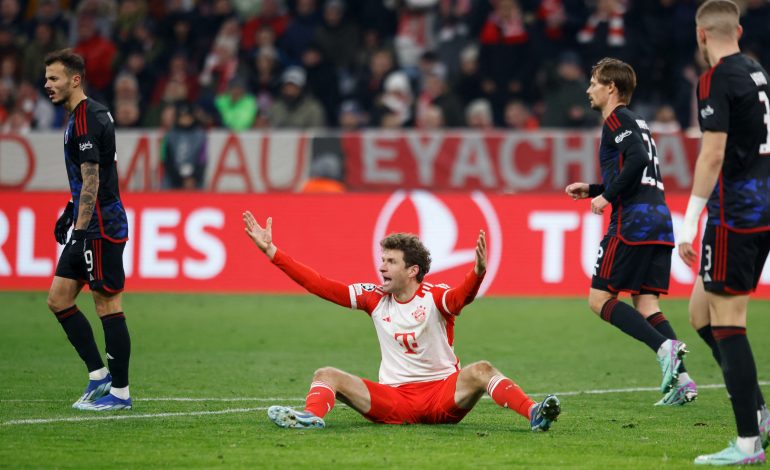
(320, 399)
(509, 395)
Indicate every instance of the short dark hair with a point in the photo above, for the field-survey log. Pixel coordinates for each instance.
(718, 17)
(415, 253)
(73, 63)
(609, 70)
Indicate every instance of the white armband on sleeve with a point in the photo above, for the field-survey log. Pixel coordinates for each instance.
(690, 224)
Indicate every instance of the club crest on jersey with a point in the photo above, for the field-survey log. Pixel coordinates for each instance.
(622, 136)
(87, 145)
(706, 112)
(420, 313)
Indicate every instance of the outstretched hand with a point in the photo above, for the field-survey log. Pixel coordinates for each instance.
(481, 253)
(262, 237)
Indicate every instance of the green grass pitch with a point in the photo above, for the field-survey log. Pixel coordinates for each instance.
(204, 369)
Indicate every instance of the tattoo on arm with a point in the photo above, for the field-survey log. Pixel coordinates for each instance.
(88, 193)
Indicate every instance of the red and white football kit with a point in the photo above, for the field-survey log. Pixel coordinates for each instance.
(419, 369)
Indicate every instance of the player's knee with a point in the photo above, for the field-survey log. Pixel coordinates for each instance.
(596, 304)
(55, 304)
(326, 374)
(483, 371)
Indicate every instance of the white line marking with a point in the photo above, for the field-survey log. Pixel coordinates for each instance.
(269, 399)
(131, 416)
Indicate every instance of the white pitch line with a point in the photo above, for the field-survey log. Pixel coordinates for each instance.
(272, 399)
(131, 416)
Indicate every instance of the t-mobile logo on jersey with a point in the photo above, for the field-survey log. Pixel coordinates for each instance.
(404, 339)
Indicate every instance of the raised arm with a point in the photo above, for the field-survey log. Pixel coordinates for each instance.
(460, 296)
(305, 276)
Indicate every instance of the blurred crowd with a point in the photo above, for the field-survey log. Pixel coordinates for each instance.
(242, 64)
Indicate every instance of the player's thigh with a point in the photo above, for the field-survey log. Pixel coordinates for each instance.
(351, 390)
(698, 307)
(63, 293)
(104, 265)
(472, 381)
(728, 310)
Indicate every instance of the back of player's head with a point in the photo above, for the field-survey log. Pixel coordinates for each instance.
(609, 70)
(72, 62)
(415, 253)
(719, 18)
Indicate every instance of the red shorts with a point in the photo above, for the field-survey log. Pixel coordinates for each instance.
(423, 402)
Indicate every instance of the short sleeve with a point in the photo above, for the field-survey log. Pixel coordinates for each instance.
(365, 296)
(713, 102)
(87, 132)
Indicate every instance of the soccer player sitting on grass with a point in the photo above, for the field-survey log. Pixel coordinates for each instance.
(420, 377)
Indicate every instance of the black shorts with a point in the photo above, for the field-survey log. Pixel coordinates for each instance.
(101, 265)
(638, 269)
(732, 262)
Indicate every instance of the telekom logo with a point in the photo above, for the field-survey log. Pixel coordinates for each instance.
(438, 228)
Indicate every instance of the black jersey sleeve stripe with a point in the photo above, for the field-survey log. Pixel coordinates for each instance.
(81, 120)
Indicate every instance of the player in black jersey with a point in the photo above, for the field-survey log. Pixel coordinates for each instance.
(732, 178)
(635, 254)
(93, 254)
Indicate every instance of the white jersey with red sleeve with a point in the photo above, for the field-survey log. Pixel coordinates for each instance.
(416, 337)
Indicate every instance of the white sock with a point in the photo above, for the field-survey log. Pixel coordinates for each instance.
(121, 393)
(684, 377)
(98, 374)
(748, 445)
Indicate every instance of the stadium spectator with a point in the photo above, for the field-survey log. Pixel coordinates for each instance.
(272, 16)
(179, 74)
(604, 33)
(431, 118)
(436, 92)
(236, 106)
(565, 96)
(49, 12)
(45, 40)
(17, 122)
(136, 65)
(264, 77)
(468, 84)
(98, 52)
(478, 115)
(11, 16)
(10, 60)
(756, 33)
(370, 83)
(665, 121)
(295, 107)
(325, 175)
(301, 30)
(336, 37)
(128, 113)
(452, 33)
(221, 63)
(518, 116)
(414, 33)
(184, 151)
(352, 117)
(420, 380)
(395, 108)
(322, 80)
(38, 111)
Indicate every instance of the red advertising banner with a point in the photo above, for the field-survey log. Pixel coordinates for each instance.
(495, 161)
(539, 245)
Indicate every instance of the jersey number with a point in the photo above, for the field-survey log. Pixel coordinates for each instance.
(764, 149)
(652, 154)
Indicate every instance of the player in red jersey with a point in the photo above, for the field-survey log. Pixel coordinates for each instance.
(420, 378)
